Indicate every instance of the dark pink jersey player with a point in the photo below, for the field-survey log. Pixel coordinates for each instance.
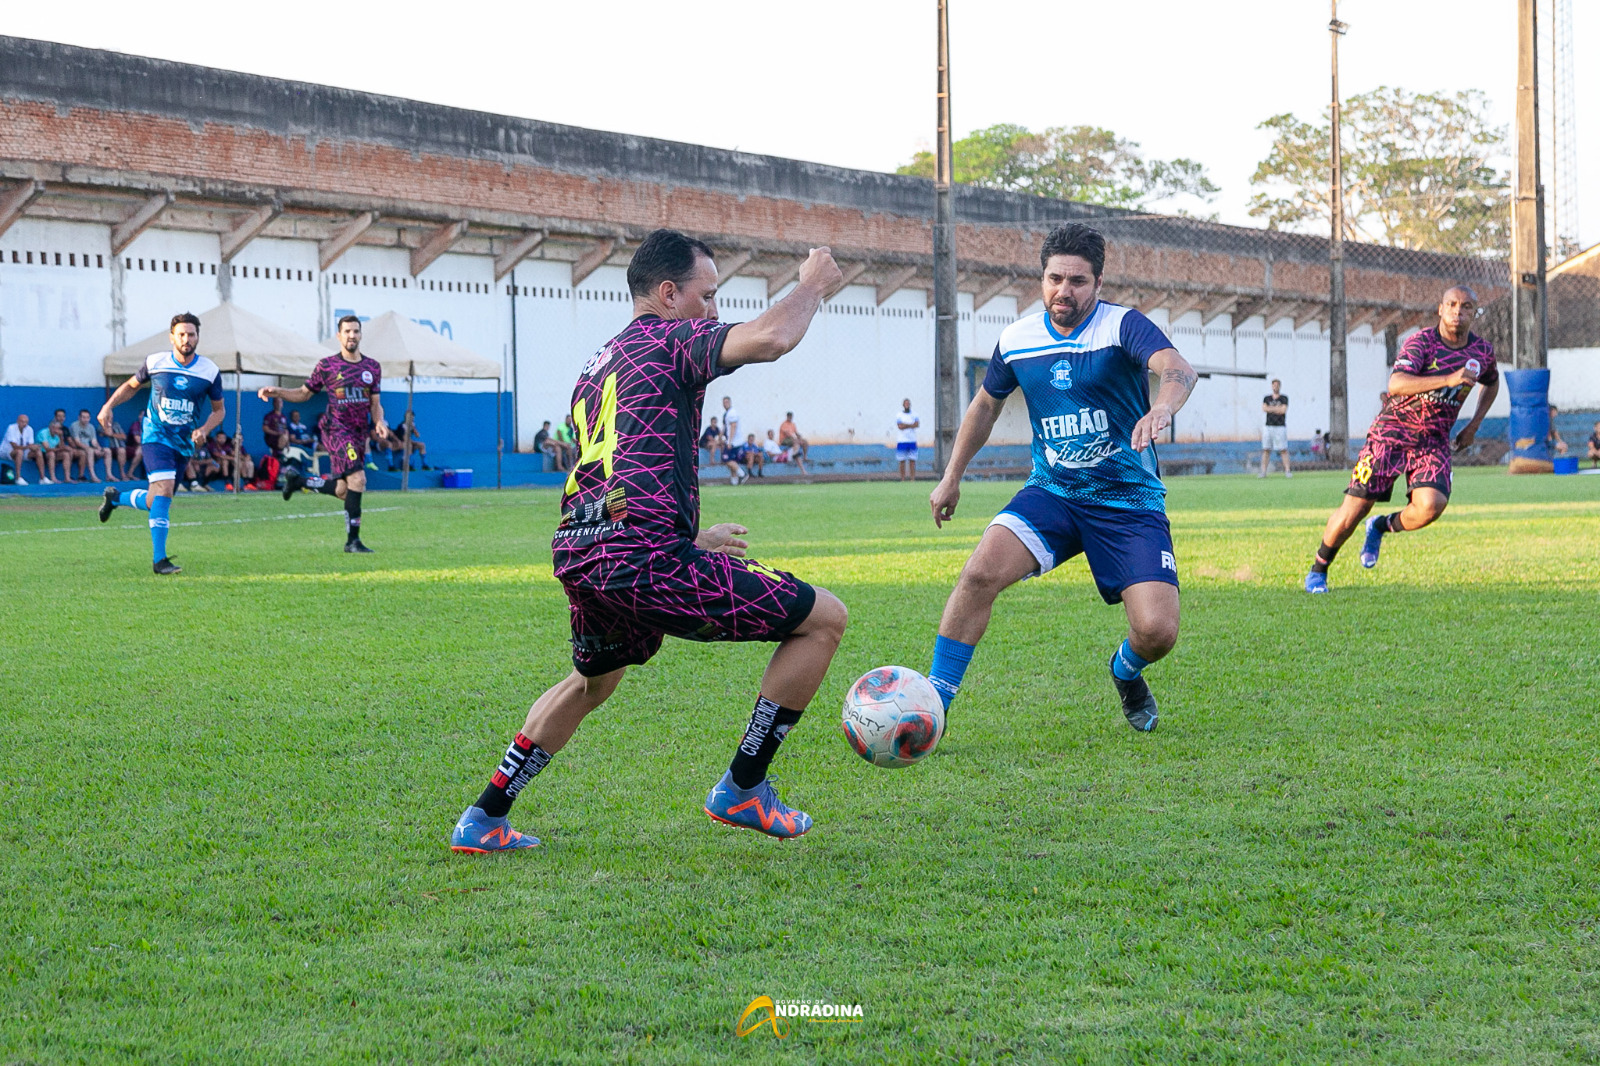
(350, 388)
(630, 553)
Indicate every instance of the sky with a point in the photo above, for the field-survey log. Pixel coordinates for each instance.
(851, 82)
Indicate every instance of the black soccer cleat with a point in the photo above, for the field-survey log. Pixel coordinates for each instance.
(1138, 705)
(109, 503)
(355, 547)
(167, 566)
(293, 482)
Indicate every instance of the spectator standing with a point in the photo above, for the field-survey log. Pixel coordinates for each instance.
(275, 428)
(905, 448)
(81, 435)
(730, 422)
(20, 446)
(1275, 434)
(790, 440)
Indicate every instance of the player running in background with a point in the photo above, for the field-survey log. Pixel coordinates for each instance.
(352, 382)
(178, 380)
(630, 552)
(1433, 373)
(1082, 365)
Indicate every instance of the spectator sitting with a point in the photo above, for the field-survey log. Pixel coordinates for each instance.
(1594, 445)
(1557, 445)
(275, 428)
(53, 443)
(711, 440)
(81, 435)
(407, 430)
(543, 446)
(134, 455)
(116, 448)
(201, 468)
(774, 453)
(790, 440)
(219, 449)
(1316, 441)
(302, 446)
(20, 446)
(752, 455)
(566, 438)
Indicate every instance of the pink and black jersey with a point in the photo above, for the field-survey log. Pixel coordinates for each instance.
(637, 410)
(350, 388)
(1429, 416)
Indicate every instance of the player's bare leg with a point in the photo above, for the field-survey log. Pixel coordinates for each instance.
(1424, 505)
(1341, 523)
(1152, 610)
(797, 667)
(555, 716)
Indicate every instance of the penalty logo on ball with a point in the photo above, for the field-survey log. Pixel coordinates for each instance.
(893, 716)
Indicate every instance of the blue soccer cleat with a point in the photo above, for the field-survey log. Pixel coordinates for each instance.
(758, 808)
(1372, 545)
(1316, 582)
(478, 834)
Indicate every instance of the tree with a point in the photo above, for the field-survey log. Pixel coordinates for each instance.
(1082, 163)
(1419, 169)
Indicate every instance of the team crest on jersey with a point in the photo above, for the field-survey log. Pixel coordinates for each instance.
(366, 377)
(596, 362)
(1061, 375)
(180, 383)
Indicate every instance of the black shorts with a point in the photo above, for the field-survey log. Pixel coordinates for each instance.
(346, 455)
(687, 593)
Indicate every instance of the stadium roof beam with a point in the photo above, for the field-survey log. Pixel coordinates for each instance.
(729, 268)
(1217, 308)
(1310, 311)
(13, 203)
(894, 283)
(341, 239)
(1157, 299)
(777, 281)
(437, 243)
(520, 249)
(994, 289)
(592, 260)
(124, 232)
(1387, 319)
(1182, 305)
(1273, 310)
(851, 273)
(233, 242)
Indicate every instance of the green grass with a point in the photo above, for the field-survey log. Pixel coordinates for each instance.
(1365, 832)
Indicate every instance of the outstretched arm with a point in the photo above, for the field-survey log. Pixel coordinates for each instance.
(976, 425)
(777, 330)
(1177, 382)
(278, 392)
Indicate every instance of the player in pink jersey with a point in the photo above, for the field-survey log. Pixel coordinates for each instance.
(1432, 375)
(631, 555)
(352, 382)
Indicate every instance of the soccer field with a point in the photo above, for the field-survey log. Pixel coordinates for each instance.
(1365, 831)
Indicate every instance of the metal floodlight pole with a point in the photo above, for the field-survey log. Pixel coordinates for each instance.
(1338, 370)
(1531, 330)
(946, 399)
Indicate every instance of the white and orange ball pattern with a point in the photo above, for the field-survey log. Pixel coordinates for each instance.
(893, 716)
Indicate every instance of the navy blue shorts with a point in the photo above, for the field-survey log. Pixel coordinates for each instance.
(1123, 547)
(162, 463)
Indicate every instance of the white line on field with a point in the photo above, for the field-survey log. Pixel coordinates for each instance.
(221, 522)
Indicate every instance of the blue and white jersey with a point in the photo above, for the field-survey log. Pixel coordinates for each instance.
(1085, 393)
(177, 392)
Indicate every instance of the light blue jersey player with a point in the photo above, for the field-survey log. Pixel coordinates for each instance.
(180, 383)
(1083, 366)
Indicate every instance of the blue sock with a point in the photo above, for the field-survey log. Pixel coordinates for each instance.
(1126, 663)
(138, 499)
(950, 659)
(160, 507)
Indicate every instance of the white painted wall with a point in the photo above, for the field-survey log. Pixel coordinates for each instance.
(844, 382)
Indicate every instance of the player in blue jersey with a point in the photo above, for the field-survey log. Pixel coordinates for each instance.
(179, 381)
(1082, 365)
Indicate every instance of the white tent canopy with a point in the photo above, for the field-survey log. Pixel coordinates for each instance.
(234, 339)
(404, 348)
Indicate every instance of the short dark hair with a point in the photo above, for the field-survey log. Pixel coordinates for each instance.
(1074, 238)
(337, 326)
(664, 255)
(188, 317)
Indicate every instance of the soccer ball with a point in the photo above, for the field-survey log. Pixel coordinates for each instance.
(893, 716)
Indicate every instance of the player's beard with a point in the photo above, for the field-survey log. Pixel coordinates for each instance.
(1074, 315)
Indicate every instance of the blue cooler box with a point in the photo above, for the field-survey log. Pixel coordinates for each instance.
(1565, 464)
(457, 479)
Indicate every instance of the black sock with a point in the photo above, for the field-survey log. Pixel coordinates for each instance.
(352, 516)
(1325, 556)
(769, 724)
(524, 759)
(325, 485)
(1390, 523)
